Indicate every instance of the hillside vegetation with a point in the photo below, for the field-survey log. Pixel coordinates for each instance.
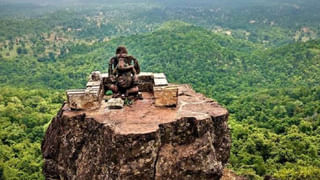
(268, 80)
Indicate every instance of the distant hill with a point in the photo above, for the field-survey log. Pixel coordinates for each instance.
(213, 63)
(175, 47)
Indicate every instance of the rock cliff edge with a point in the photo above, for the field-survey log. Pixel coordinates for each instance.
(140, 141)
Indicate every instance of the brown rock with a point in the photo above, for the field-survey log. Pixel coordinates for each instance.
(115, 103)
(230, 175)
(83, 98)
(141, 141)
(89, 98)
(165, 95)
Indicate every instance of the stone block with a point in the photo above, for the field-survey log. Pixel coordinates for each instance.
(145, 86)
(160, 79)
(93, 83)
(160, 82)
(145, 82)
(145, 76)
(80, 99)
(159, 76)
(166, 96)
(115, 103)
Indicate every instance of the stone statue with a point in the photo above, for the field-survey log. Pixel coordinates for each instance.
(122, 73)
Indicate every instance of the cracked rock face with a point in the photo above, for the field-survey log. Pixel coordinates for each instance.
(141, 141)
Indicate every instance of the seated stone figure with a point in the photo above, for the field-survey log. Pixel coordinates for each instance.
(123, 70)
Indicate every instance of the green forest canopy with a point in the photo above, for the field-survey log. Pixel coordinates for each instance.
(271, 89)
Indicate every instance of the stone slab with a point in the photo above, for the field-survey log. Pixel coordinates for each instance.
(159, 76)
(93, 88)
(146, 74)
(160, 82)
(75, 91)
(166, 96)
(93, 83)
(81, 99)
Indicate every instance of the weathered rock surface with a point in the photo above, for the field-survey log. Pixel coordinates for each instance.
(141, 141)
(165, 96)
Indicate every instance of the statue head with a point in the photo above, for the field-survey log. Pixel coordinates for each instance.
(121, 50)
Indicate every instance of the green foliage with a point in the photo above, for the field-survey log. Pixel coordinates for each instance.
(109, 93)
(277, 133)
(270, 87)
(23, 114)
(268, 92)
(127, 102)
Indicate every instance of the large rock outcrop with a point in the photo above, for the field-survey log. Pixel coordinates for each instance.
(141, 141)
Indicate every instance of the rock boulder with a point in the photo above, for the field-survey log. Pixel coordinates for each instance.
(141, 141)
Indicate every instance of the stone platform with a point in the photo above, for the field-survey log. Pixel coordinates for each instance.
(91, 98)
(144, 116)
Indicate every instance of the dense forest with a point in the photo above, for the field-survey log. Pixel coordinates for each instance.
(259, 59)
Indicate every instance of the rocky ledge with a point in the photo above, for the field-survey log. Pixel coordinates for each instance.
(140, 141)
